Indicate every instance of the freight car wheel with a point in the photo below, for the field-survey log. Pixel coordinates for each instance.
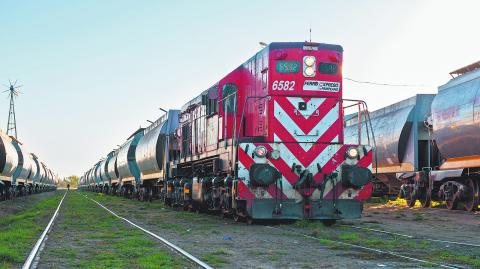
(472, 200)
(410, 195)
(452, 204)
(141, 195)
(425, 197)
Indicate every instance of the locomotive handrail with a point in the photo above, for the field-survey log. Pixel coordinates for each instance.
(367, 123)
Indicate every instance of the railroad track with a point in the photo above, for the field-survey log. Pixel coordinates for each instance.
(174, 247)
(369, 249)
(37, 248)
(411, 236)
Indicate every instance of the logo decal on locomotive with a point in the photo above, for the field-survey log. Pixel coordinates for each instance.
(323, 86)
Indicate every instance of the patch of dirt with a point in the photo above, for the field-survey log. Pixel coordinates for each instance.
(238, 245)
(434, 223)
(10, 207)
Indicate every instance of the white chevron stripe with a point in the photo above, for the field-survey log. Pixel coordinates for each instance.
(289, 158)
(312, 105)
(302, 138)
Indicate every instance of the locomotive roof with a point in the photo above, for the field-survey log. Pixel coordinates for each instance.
(285, 45)
(274, 45)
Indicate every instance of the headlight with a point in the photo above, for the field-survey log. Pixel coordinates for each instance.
(275, 155)
(309, 61)
(352, 153)
(309, 71)
(261, 151)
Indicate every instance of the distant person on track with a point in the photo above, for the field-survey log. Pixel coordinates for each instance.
(68, 186)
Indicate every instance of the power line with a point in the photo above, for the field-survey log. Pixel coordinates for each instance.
(385, 84)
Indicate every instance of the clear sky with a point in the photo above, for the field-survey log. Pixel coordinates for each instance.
(94, 71)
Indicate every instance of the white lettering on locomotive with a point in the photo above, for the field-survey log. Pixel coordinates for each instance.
(323, 86)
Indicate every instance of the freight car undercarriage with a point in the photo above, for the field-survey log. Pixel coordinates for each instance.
(9, 191)
(458, 189)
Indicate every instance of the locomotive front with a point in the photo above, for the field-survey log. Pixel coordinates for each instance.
(292, 160)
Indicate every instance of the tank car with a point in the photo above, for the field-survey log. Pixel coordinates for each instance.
(128, 171)
(456, 129)
(427, 146)
(35, 174)
(152, 155)
(112, 171)
(8, 166)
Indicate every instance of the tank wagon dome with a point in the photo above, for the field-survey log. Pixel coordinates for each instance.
(8, 157)
(456, 118)
(151, 152)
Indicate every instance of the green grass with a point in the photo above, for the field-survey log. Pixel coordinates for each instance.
(20, 231)
(101, 240)
(472, 259)
(215, 258)
(421, 248)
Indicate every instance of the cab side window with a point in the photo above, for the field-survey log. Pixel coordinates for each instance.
(229, 97)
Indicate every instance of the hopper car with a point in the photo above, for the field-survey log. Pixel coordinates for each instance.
(428, 146)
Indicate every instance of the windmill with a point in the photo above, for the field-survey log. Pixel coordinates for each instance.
(12, 93)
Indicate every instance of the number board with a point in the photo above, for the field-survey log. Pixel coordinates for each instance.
(287, 66)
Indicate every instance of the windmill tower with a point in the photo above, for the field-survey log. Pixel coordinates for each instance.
(12, 121)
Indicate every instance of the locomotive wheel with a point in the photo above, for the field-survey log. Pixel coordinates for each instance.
(236, 216)
(472, 200)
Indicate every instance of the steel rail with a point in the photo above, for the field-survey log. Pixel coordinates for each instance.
(36, 248)
(163, 240)
(412, 236)
(386, 252)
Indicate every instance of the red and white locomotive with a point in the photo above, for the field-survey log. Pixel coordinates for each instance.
(266, 141)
